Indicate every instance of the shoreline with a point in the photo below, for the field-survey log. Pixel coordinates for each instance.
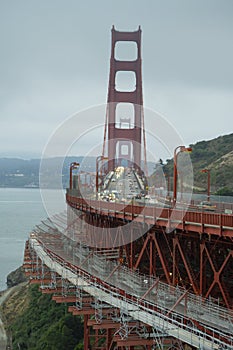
(5, 339)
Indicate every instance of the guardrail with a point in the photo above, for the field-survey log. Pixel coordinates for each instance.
(212, 223)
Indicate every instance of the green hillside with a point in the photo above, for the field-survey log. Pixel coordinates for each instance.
(215, 155)
(36, 322)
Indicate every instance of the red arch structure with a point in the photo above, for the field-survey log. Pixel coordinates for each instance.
(117, 136)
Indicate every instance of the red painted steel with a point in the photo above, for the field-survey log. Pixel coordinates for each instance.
(213, 223)
(88, 310)
(197, 254)
(118, 136)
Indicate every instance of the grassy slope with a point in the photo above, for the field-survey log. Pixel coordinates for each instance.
(36, 322)
(216, 155)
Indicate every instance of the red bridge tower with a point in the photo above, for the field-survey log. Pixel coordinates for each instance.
(124, 135)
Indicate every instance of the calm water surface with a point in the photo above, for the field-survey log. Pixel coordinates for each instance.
(20, 211)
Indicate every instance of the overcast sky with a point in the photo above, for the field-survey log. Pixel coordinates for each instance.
(55, 61)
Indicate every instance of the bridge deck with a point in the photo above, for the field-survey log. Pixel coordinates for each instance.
(191, 221)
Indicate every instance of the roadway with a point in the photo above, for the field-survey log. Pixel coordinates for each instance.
(124, 185)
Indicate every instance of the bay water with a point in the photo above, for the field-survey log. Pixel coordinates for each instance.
(20, 211)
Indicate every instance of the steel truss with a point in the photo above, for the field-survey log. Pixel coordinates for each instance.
(135, 290)
(200, 262)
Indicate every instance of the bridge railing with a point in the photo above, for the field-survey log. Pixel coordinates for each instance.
(152, 214)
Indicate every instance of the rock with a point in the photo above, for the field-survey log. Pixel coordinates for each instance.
(16, 277)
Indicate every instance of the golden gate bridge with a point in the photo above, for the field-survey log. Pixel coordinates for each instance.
(143, 275)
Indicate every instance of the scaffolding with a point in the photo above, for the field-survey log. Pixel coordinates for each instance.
(169, 310)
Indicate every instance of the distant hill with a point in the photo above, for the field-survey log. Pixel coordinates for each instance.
(15, 172)
(216, 155)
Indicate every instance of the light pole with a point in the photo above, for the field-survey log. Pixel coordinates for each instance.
(208, 182)
(180, 173)
(98, 160)
(177, 151)
(168, 183)
(73, 165)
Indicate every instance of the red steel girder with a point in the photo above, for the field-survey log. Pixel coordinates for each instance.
(217, 276)
(150, 238)
(215, 224)
(176, 244)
